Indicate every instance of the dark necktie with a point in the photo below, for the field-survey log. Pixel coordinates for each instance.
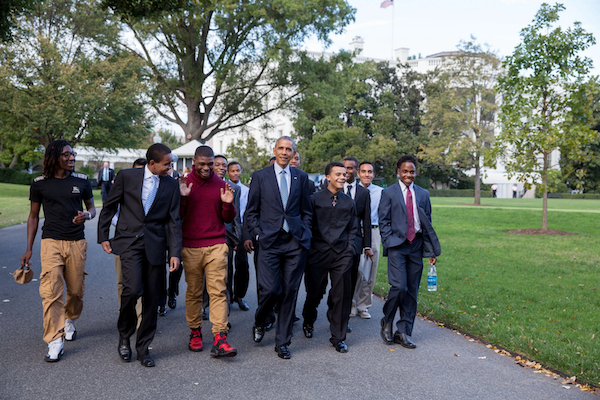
(410, 232)
(349, 190)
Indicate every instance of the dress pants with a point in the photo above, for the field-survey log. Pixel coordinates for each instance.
(173, 286)
(364, 287)
(241, 276)
(105, 187)
(279, 273)
(339, 301)
(271, 316)
(140, 278)
(405, 267)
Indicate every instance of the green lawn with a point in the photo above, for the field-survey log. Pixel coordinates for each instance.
(536, 295)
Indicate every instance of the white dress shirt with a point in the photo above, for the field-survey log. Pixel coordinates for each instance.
(352, 190)
(147, 185)
(414, 201)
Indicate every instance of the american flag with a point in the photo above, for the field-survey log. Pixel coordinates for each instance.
(387, 3)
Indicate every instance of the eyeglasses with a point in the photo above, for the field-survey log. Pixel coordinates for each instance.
(68, 154)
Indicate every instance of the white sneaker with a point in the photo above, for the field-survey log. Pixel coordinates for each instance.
(70, 331)
(55, 350)
(353, 311)
(364, 314)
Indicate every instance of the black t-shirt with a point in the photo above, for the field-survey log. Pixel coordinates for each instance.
(61, 199)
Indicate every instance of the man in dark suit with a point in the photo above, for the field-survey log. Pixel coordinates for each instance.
(362, 202)
(407, 237)
(279, 215)
(332, 248)
(149, 224)
(295, 163)
(106, 178)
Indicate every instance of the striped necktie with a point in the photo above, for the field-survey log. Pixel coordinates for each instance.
(151, 195)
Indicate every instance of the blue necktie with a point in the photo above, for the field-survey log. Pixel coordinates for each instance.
(105, 178)
(283, 190)
(151, 195)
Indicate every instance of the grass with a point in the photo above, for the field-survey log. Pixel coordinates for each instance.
(14, 204)
(535, 295)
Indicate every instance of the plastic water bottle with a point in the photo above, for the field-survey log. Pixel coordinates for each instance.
(432, 279)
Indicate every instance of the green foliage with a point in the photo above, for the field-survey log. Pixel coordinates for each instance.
(457, 193)
(66, 79)
(88, 170)
(8, 175)
(249, 155)
(546, 99)
(10, 10)
(169, 139)
(227, 63)
(143, 8)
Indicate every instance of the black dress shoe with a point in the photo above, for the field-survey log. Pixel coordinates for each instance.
(124, 350)
(283, 352)
(205, 314)
(259, 333)
(162, 311)
(308, 330)
(341, 347)
(269, 326)
(386, 332)
(172, 303)
(403, 340)
(146, 361)
(348, 329)
(296, 318)
(242, 304)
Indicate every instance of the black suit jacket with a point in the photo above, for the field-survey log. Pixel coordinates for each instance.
(111, 175)
(161, 228)
(264, 212)
(333, 227)
(362, 203)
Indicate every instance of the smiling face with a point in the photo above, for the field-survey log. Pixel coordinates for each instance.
(67, 159)
(234, 171)
(365, 173)
(407, 172)
(203, 166)
(350, 169)
(295, 161)
(161, 168)
(284, 151)
(220, 167)
(336, 178)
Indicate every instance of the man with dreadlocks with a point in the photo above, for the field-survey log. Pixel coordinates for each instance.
(61, 191)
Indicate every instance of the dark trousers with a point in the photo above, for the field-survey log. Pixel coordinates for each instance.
(140, 279)
(279, 273)
(104, 189)
(405, 266)
(173, 287)
(271, 316)
(339, 301)
(354, 264)
(238, 277)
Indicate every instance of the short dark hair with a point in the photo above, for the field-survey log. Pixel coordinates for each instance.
(140, 162)
(221, 156)
(366, 162)
(406, 158)
(233, 163)
(351, 159)
(52, 156)
(157, 152)
(331, 165)
(204, 151)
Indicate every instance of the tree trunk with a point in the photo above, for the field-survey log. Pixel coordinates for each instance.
(477, 183)
(545, 195)
(14, 161)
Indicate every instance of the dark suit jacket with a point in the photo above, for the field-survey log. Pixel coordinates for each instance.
(393, 219)
(111, 175)
(362, 202)
(161, 227)
(264, 212)
(333, 227)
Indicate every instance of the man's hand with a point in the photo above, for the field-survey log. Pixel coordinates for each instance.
(432, 260)
(25, 258)
(106, 247)
(174, 264)
(227, 194)
(184, 190)
(249, 246)
(368, 253)
(80, 218)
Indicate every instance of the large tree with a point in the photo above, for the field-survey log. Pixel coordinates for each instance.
(218, 65)
(63, 78)
(546, 98)
(461, 110)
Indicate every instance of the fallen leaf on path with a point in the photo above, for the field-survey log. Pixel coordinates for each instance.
(456, 355)
(482, 358)
(569, 381)
(566, 387)
(392, 350)
(6, 301)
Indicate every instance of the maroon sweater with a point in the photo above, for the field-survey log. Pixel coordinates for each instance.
(203, 213)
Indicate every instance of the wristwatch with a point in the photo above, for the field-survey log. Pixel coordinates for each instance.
(89, 215)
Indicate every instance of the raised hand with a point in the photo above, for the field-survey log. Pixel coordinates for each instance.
(184, 189)
(227, 194)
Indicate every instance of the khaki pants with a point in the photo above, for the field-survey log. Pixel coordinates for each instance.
(63, 262)
(364, 287)
(138, 305)
(211, 260)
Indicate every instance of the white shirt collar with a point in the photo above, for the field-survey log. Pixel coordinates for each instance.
(404, 187)
(278, 169)
(148, 173)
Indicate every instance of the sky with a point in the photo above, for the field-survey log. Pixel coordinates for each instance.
(430, 26)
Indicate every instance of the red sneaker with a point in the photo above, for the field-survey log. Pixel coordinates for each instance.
(221, 348)
(195, 340)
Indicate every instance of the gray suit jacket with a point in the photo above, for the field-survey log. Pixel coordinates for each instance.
(393, 220)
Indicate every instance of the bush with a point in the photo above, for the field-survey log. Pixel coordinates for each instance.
(456, 193)
(594, 196)
(9, 175)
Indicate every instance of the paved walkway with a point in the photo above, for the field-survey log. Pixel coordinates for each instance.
(444, 366)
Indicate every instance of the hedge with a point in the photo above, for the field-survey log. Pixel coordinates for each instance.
(456, 193)
(594, 196)
(9, 175)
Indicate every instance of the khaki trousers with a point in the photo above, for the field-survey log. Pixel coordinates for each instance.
(364, 288)
(63, 262)
(211, 261)
(138, 305)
